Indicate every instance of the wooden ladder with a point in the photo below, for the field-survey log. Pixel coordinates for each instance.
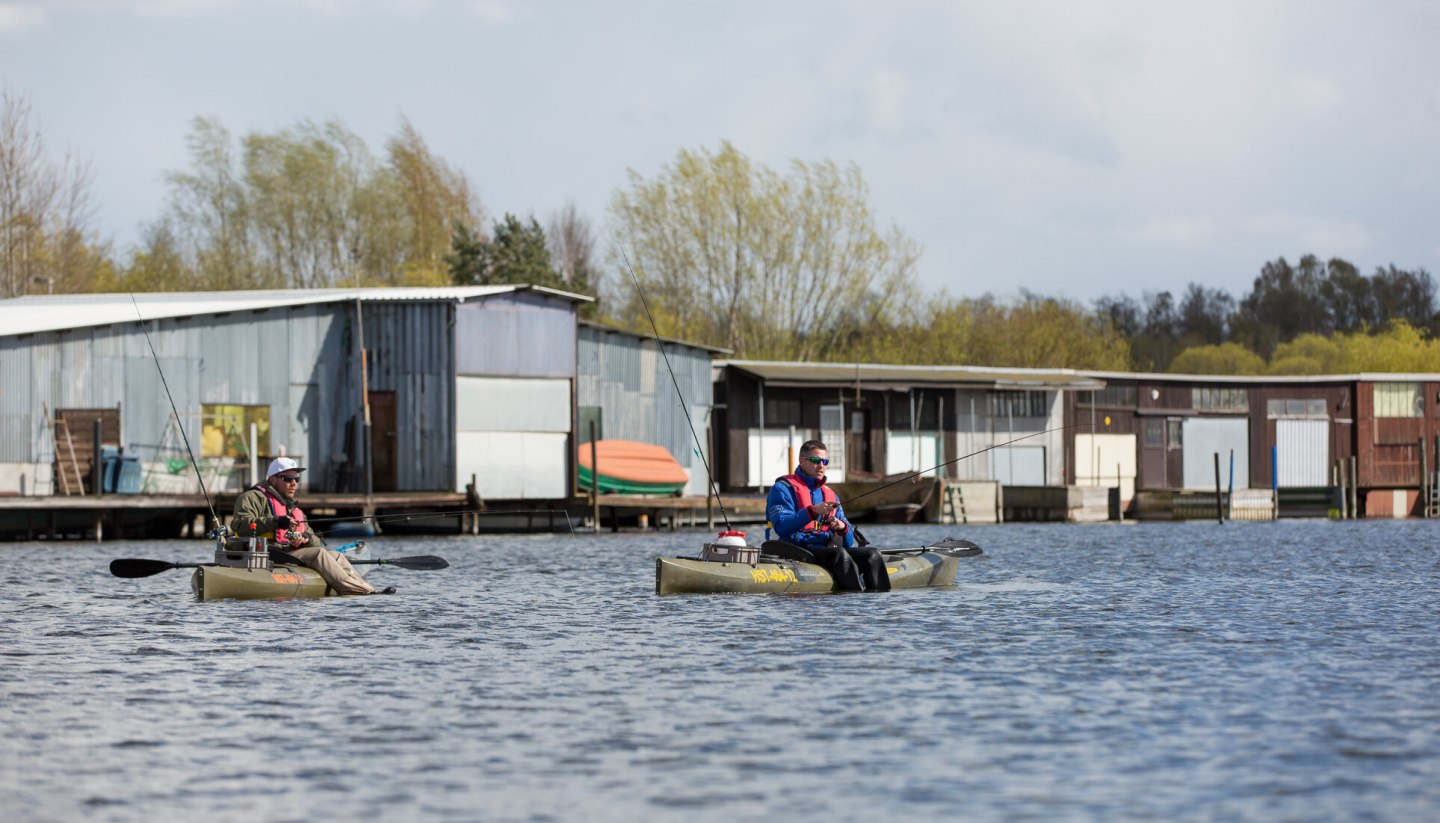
(954, 509)
(1432, 502)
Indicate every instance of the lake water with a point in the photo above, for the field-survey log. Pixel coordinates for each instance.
(1255, 671)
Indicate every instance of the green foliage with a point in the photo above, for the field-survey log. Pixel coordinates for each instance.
(1031, 332)
(1225, 358)
(731, 253)
(1308, 354)
(310, 206)
(1399, 348)
(516, 255)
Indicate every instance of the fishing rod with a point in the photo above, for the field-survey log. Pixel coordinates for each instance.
(913, 475)
(180, 424)
(684, 407)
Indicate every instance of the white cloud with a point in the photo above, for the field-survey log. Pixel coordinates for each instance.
(16, 18)
(1175, 232)
(1316, 94)
(888, 90)
(1322, 236)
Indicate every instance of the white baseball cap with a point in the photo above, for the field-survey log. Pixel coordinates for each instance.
(282, 464)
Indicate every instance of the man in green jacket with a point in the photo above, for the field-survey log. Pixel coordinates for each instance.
(270, 509)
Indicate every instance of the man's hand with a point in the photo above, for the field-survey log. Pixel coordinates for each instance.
(820, 512)
(282, 523)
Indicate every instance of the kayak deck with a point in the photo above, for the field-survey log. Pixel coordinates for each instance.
(909, 569)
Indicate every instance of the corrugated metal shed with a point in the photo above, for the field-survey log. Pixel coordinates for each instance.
(295, 352)
(40, 313)
(624, 375)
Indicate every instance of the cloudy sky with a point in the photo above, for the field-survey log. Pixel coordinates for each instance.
(1074, 149)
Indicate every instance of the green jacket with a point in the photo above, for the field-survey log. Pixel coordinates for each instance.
(254, 507)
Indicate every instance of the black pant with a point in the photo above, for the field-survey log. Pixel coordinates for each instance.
(853, 567)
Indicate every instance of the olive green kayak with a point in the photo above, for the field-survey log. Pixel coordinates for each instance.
(909, 569)
(220, 582)
(237, 575)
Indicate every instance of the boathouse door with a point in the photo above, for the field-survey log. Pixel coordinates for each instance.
(383, 440)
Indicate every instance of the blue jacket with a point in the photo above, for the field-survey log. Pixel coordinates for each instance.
(788, 517)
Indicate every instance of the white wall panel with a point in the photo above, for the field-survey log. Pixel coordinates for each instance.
(1203, 438)
(513, 465)
(906, 452)
(493, 404)
(1101, 458)
(1302, 453)
(1018, 465)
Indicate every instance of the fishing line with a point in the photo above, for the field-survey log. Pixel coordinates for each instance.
(433, 515)
(180, 424)
(914, 475)
(684, 407)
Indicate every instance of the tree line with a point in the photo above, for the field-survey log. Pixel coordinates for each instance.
(714, 248)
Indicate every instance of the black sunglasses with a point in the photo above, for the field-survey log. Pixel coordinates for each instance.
(819, 461)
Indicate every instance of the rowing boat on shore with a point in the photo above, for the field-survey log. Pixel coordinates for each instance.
(909, 568)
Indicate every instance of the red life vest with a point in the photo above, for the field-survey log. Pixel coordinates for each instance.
(804, 498)
(279, 509)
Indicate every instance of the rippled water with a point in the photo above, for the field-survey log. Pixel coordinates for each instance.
(1269, 671)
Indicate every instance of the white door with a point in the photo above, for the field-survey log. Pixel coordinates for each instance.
(1302, 453)
(1205, 437)
(1018, 465)
(1104, 460)
(832, 433)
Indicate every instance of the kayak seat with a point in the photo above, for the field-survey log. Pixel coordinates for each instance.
(785, 551)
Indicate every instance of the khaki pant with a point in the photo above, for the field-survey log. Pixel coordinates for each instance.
(332, 566)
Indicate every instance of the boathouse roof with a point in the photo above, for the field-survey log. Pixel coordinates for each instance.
(879, 376)
(32, 314)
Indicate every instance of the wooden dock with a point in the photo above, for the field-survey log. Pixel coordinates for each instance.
(160, 516)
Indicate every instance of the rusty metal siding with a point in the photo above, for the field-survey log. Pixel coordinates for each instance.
(626, 377)
(520, 334)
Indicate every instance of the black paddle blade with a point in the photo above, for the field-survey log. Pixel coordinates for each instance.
(419, 562)
(130, 567)
(956, 543)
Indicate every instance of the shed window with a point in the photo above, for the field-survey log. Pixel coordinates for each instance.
(225, 429)
(782, 413)
(1399, 400)
(1311, 407)
(1121, 397)
(1018, 404)
(1220, 399)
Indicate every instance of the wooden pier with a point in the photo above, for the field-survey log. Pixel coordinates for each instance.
(153, 516)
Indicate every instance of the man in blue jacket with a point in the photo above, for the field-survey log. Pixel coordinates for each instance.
(805, 512)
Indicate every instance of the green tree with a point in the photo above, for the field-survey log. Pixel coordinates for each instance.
(1399, 348)
(1307, 354)
(517, 254)
(1223, 358)
(1030, 332)
(310, 206)
(46, 244)
(730, 253)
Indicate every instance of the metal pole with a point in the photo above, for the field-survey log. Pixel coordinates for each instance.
(96, 477)
(710, 480)
(1219, 493)
(1230, 489)
(1354, 488)
(760, 470)
(594, 476)
(1119, 492)
(254, 455)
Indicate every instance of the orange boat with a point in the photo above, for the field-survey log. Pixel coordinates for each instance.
(628, 467)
